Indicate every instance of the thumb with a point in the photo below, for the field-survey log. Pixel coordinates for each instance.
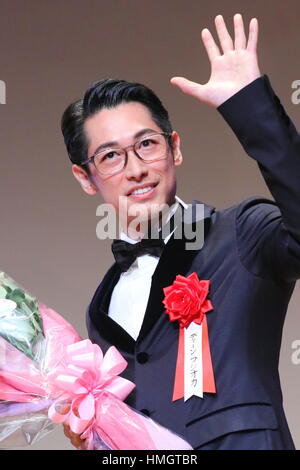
(187, 86)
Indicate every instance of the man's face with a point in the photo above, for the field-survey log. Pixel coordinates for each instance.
(119, 125)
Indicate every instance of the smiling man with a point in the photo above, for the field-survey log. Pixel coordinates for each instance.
(149, 179)
(122, 145)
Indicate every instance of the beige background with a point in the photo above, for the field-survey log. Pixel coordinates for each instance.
(50, 51)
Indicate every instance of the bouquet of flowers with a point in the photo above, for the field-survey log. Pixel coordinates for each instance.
(48, 375)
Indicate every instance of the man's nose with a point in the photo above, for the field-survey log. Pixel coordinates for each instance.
(135, 167)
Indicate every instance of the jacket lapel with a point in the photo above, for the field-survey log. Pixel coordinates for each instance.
(107, 328)
(175, 259)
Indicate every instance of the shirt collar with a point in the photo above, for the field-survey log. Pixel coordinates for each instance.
(124, 236)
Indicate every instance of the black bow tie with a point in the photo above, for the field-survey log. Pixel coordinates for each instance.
(125, 253)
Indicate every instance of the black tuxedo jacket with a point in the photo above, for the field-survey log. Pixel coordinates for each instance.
(251, 255)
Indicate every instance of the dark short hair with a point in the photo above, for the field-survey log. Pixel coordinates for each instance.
(107, 93)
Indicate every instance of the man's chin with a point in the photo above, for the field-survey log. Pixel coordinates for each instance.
(142, 215)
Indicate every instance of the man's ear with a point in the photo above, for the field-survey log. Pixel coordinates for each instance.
(84, 180)
(177, 155)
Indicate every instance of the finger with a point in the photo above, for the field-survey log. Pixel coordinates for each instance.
(239, 32)
(253, 35)
(209, 43)
(84, 444)
(224, 36)
(76, 441)
(187, 86)
(67, 431)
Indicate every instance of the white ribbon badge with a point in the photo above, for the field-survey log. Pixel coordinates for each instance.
(193, 367)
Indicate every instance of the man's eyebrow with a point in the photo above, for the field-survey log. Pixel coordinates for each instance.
(116, 143)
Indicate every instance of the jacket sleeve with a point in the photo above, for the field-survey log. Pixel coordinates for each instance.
(268, 232)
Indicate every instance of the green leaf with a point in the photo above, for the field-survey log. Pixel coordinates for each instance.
(3, 292)
(23, 328)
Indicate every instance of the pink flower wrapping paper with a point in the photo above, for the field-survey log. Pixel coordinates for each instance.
(48, 374)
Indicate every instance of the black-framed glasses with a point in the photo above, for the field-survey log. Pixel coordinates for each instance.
(149, 148)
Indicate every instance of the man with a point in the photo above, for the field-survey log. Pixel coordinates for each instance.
(250, 254)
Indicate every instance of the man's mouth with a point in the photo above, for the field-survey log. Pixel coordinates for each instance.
(142, 190)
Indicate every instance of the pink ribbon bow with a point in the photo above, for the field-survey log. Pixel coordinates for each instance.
(86, 375)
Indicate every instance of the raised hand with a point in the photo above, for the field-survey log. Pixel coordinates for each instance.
(231, 69)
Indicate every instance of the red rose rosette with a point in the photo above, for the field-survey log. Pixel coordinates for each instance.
(186, 302)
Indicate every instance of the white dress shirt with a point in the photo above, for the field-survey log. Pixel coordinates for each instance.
(131, 293)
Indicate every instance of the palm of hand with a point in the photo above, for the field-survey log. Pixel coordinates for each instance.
(230, 71)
